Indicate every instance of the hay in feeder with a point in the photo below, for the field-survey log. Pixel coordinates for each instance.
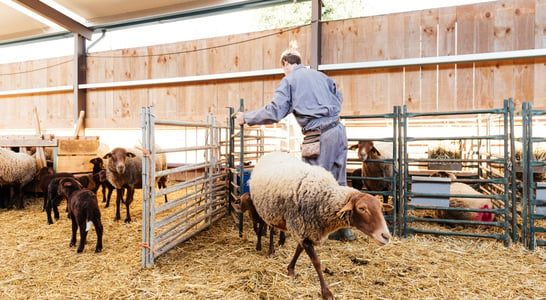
(441, 152)
(218, 264)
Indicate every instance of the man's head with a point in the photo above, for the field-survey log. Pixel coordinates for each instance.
(290, 58)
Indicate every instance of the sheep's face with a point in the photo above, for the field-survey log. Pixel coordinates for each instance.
(367, 216)
(117, 159)
(365, 150)
(97, 163)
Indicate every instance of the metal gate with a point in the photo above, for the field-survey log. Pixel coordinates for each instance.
(487, 167)
(382, 128)
(534, 193)
(197, 199)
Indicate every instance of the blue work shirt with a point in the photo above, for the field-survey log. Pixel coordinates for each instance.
(316, 103)
(309, 94)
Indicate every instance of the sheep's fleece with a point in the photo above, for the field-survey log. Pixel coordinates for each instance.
(16, 167)
(307, 197)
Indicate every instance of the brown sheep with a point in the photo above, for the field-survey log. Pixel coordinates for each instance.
(368, 150)
(124, 171)
(53, 199)
(83, 210)
(259, 225)
(99, 175)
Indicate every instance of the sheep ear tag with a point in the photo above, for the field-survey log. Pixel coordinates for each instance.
(346, 208)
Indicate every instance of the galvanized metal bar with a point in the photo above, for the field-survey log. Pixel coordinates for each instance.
(45, 90)
(182, 123)
(187, 214)
(147, 219)
(241, 170)
(438, 60)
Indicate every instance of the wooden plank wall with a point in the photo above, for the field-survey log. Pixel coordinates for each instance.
(479, 28)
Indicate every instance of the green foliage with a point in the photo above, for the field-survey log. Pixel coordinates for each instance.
(299, 13)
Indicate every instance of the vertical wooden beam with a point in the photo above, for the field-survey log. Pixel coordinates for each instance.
(316, 12)
(80, 77)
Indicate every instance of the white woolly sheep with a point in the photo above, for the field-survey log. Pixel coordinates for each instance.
(124, 170)
(16, 170)
(459, 188)
(307, 202)
(369, 150)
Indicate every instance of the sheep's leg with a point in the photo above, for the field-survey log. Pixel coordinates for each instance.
(45, 200)
(99, 229)
(103, 185)
(271, 242)
(20, 198)
(310, 250)
(292, 264)
(259, 233)
(282, 238)
(129, 199)
(47, 207)
(83, 234)
(110, 190)
(74, 230)
(56, 210)
(119, 195)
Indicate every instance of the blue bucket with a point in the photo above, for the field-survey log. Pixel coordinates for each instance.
(246, 177)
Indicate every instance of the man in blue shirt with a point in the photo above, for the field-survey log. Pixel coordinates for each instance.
(316, 103)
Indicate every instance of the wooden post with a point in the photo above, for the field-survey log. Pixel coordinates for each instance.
(79, 125)
(316, 11)
(40, 155)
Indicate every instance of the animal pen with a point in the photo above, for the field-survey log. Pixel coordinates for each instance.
(218, 162)
(483, 159)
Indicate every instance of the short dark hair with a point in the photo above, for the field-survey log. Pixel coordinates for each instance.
(290, 58)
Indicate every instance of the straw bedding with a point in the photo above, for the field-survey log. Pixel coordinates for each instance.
(38, 264)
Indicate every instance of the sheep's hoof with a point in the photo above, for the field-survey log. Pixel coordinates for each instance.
(116, 218)
(79, 250)
(128, 220)
(98, 250)
(327, 295)
(72, 244)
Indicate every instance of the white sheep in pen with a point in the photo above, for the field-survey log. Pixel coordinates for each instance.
(308, 202)
(16, 170)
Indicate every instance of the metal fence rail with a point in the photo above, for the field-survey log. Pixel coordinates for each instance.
(487, 167)
(389, 136)
(197, 199)
(534, 193)
(246, 145)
